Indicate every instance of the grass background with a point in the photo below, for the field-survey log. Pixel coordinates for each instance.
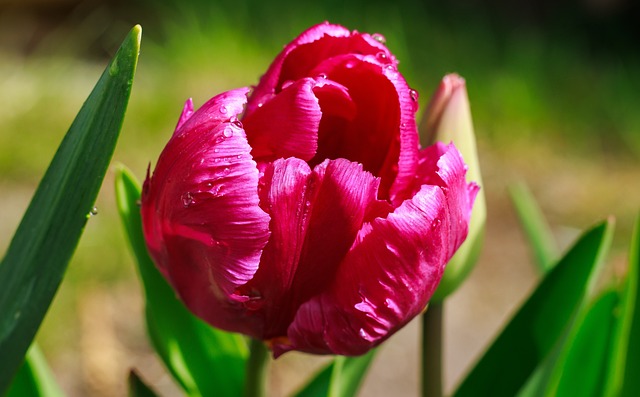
(554, 90)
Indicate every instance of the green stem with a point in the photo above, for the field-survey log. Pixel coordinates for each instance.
(432, 351)
(255, 385)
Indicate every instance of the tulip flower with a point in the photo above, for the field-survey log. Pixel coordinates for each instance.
(448, 119)
(304, 213)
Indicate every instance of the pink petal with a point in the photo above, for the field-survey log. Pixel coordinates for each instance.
(314, 219)
(187, 111)
(201, 215)
(383, 134)
(442, 165)
(384, 281)
(299, 57)
(287, 125)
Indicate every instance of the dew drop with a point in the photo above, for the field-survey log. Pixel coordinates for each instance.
(226, 170)
(94, 211)
(322, 76)
(228, 132)
(414, 95)
(436, 223)
(382, 56)
(223, 109)
(237, 123)
(379, 38)
(216, 150)
(187, 199)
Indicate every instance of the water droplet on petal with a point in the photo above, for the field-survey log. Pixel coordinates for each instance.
(237, 123)
(379, 38)
(382, 56)
(223, 109)
(435, 224)
(228, 132)
(414, 95)
(187, 199)
(322, 76)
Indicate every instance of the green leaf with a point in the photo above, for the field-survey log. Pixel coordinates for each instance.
(581, 369)
(137, 387)
(203, 360)
(341, 378)
(41, 248)
(623, 379)
(535, 329)
(536, 228)
(34, 378)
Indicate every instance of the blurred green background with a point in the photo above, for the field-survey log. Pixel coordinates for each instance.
(554, 90)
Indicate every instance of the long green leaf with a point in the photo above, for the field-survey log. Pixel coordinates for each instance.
(582, 369)
(623, 376)
(42, 246)
(341, 378)
(203, 360)
(536, 229)
(535, 329)
(34, 378)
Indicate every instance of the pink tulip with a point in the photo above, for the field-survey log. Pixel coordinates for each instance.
(305, 213)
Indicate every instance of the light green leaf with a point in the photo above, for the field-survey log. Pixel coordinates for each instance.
(541, 321)
(623, 379)
(536, 228)
(341, 378)
(41, 248)
(34, 378)
(137, 387)
(204, 361)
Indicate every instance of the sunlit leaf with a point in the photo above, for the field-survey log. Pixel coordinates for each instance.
(536, 228)
(41, 248)
(535, 329)
(341, 378)
(204, 361)
(34, 378)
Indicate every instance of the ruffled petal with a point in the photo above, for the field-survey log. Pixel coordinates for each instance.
(187, 111)
(287, 125)
(383, 134)
(384, 281)
(315, 217)
(201, 215)
(442, 165)
(314, 45)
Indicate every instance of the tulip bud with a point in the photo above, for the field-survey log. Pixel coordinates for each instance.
(448, 119)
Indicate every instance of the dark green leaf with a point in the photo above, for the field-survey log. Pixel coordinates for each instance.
(204, 361)
(34, 378)
(535, 329)
(582, 368)
(341, 378)
(42, 246)
(623, 376)
(137, 387)
(536, 229)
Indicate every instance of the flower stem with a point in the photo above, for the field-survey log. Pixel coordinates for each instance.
(255, 385)
(432, 351)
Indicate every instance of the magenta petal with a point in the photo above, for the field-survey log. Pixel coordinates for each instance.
(187, 111)
(315, 217)
(442, 165)
(201, 215)
(384, 281)
(287, 125)
(311, 47)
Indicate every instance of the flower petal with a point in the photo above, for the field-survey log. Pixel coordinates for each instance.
(314, 45)
(287, 125)
(314, 219)
(384, 281)
(201, 215)
(383, 134)
(442, 165)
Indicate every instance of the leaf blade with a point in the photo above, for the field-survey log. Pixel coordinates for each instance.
(57, 214)
(203, 360)
(533, 331)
